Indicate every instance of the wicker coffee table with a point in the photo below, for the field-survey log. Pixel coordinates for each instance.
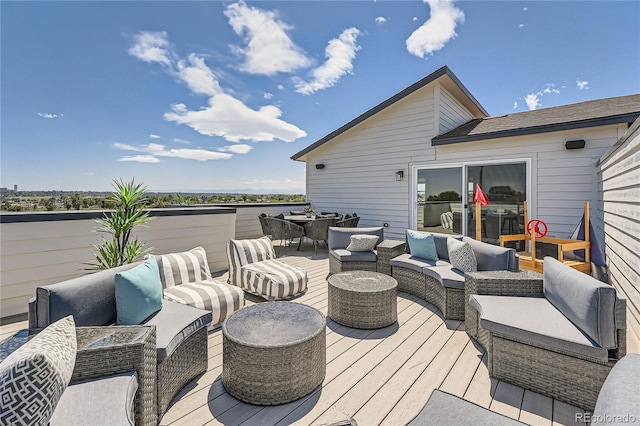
(363, 299)
(273, 352)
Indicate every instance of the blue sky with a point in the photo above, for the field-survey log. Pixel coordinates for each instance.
(217, 96)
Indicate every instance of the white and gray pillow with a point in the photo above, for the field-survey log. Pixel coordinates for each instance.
(183, 268)
(362, 242)
(461, 255)
(33, 378)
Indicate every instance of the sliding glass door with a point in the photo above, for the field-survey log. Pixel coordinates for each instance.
(482, 201)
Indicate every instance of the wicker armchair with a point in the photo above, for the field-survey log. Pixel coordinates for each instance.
(265, 225)
(284, 230)
(318, 230)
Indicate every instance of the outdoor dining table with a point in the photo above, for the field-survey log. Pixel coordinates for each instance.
(300, 219)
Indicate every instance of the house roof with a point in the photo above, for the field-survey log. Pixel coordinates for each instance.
(448, 80)
(623, 109)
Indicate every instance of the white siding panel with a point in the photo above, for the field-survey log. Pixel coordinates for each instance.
(452, 113)
(620, 186)
(39, 253)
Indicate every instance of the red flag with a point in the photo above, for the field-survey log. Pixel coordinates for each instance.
(479, 196)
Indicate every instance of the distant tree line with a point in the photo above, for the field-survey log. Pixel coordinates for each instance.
(57, 200)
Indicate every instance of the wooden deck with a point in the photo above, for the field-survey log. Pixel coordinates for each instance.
(381, 376)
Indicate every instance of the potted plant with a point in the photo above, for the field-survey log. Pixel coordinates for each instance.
(309, 210)
(122, 248)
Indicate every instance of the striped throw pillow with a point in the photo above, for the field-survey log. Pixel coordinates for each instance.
(219, 298)
(183, 268)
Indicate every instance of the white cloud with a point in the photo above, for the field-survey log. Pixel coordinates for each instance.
(532, 100)
(227, 117)
(582, 85)
(49, 115)
(550, 88)
(152, 151)
(141, 159)
(340, 53)
(198, 76)
(380, 20)
(268, 49)
(280, 87)
(237, 149)
(182, 141)
(415, 18)
(515, 105)
(152, 136)
(521, 26)
(151, 47)
(434, 34)
(525, 9)
(268, 95)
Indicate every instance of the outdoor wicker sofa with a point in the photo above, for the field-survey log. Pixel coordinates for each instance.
(618, 403)
(181, 332)
(438, 281)
(561, 342)
(341, 259)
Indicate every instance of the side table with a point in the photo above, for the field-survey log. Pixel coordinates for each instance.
(109, 350)
(273, 352)
(387, 250)
(523, 283)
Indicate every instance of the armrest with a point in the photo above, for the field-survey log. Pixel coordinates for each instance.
(387, 250)
(33, 320)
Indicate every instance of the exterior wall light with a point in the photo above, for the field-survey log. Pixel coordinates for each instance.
(400, 175)
(578, 144)
(320, 166)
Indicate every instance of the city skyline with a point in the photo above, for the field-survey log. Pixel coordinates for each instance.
(215, 97)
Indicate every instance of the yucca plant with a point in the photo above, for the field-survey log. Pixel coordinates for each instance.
(122, 248)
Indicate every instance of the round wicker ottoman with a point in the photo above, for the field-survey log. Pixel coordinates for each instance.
(273, 352)
(363, 299)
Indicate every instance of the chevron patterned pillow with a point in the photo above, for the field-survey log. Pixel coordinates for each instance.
(33, 378)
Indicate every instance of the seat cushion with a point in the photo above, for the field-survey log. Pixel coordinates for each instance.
(182, 268)
(34, 377)
(174, 323)
(587, 302)
(344, 255)
(274, 280)
(448, 276)
(444, 409)
(217, 297)
(138, 293)
(415, 263)
(107, 400)
(536, 321)
(340, 238)
(620, 394)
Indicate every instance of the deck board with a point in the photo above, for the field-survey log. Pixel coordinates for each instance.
(382, 376)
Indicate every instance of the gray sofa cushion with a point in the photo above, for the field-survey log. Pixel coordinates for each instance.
(89, 298)
(493, 258)
(344, 255)
(107, 401)
(340, 238)
(620, 394)
(415, 263)
(448, 276)
(587, 302)
(535, 320)
(444, 409)
(174, 323)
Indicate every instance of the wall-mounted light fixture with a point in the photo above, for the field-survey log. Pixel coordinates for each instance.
(319, 166)
(577, 144)
(400, 175)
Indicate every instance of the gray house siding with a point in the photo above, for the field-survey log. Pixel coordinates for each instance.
(452, 113)
(620, 192)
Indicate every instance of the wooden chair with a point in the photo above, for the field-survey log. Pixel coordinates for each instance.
(528, 258)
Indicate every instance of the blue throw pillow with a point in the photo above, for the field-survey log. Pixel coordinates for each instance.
(422, 244)
(138, 293)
